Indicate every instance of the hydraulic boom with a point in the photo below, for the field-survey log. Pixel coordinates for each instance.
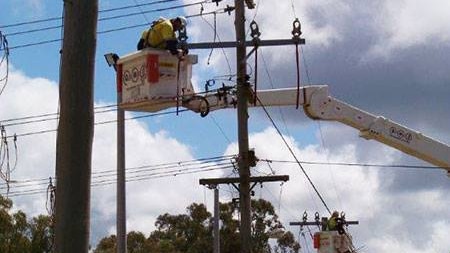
(319, 105)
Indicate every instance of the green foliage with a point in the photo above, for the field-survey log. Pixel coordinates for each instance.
(192, 232)
(20, 235)
(181, 233)
(107, 245)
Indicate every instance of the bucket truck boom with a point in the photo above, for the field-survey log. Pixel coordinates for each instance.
(153, 80)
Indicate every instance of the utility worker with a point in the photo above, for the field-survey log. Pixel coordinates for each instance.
(332, 224)
(162, 34)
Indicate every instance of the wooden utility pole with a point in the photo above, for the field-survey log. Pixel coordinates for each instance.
(243, 88)
(76, 125)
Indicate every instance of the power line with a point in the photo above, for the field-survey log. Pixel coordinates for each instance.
(178, 168)
(140, 9)
(99, 123)
(36, 118)
(106, 31)
(357, 164)
(41, 191)
(55, 117)
(100, 11)
(295, 157)
(110, 18)
(142, 176)
(152, 11)
(151, 167)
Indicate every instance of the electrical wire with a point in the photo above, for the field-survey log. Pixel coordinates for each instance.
(269, 76)
(101, 123)
(48, 119)
(152, 167)
(52, 114)
(295, 157)
(148, 177)
(97, 123)
(126, 15)
(4, 47)
(152, 11)
(293, 9)
(142, 11)
(216, 35)
(100, 109)
(105, 31)
(100, 11)
(220, 129)
(140, 177)
(403, 166)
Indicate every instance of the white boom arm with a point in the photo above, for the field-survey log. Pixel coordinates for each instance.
(318, 104)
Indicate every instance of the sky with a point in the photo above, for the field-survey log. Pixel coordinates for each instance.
(389, 58)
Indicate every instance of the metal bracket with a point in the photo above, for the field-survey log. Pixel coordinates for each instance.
(229, 9)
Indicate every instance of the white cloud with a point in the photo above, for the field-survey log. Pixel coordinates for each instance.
(389, 221)
(404, 24)
(29, 8)
(146, 199)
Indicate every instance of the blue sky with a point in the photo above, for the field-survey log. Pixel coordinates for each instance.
(393, 62)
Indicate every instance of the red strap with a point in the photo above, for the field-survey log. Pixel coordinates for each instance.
(152, 68)
(298, 74)
(119, 77)
(317, 241)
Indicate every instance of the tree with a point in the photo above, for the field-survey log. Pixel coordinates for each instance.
(41, 234)
(192, 232)
(20, 235)
(107, 245)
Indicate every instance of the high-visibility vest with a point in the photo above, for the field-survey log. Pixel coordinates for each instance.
(158, 34)
(332, 224)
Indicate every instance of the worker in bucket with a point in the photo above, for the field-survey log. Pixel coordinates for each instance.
(332, 224)
(162, 35)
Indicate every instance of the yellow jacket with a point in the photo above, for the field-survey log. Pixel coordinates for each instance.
(160, 32)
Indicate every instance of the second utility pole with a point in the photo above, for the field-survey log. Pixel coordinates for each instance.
(243, 88)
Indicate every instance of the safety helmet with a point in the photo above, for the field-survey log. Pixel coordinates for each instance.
(183, 20)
